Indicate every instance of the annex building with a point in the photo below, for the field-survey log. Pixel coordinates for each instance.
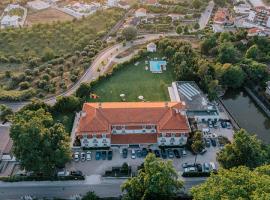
(136, 124)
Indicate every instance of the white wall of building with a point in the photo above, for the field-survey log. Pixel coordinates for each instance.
(95, 142)
(172, 141)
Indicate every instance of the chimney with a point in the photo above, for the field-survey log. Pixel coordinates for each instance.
(99, 105)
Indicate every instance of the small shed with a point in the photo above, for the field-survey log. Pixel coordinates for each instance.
(151, 47)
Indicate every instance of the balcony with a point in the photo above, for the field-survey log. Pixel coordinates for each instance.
(137, 131)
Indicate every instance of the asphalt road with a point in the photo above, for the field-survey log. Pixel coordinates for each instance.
(205, 16)
(67, 189)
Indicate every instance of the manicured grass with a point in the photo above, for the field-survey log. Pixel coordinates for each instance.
(134, 81)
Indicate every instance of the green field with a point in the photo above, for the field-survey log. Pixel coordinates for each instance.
(134, 81)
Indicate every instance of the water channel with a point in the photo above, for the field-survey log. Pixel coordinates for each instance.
(247, 114)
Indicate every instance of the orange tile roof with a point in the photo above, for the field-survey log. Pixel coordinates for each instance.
(149, 138)
(101, 116)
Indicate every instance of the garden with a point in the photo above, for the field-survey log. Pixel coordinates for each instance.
(133, 81)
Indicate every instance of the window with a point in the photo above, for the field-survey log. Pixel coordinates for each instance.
(173, 134)
(85, 135)
(104, 135)
(94, 135)
(172, 140)
(95, 141)
(163, 134)
(104, 141)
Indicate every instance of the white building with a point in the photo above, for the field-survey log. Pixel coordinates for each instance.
(151, 47)
(252, 16)
(112, 3)
(141, 12)
(242, 9)
(38, 5)
(10, 21)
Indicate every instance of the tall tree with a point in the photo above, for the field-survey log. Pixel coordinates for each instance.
(236, 183)
(6, 113)
(227, 53)
(129, 33)
(157, 180)
(245, 150)
(233, 76)
(39, 144)
(197, 144)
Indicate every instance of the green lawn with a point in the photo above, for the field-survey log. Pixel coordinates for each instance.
(134, 81)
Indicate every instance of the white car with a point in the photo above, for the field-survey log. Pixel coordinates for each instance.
(133, 154)
(76, 156)
(213, 166)
(88, 155)
(184, 153)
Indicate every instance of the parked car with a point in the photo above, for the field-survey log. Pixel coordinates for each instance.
(213, 167)
(103, 155)
(139, 153)
(163, 154)
(98, 155)
(184, 153)
(150, 151)
(110, 155)
(83, 156)
(133, 154)
(76, 173)
(144, 152)
(88, 155)
(206, 167)
(207, 142)
(199, 167)
(213, 142)
(223, 124)
(210, 125)
(228, 125)
(157, 153)
(203, 151)
(76, 156)
(185, 165)
(125, 153)
(190, 169)
(170, 153)
(63, 173)
(176, 153)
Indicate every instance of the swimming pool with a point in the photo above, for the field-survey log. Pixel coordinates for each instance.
(156, 66)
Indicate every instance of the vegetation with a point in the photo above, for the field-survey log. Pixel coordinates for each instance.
(236, 183)
(245, 150)
(157, 180)
(40, 144)
(34, 61)
(129, 33)
(197, 144)
(6, 113)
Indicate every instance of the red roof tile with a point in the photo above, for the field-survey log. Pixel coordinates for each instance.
(149, 138)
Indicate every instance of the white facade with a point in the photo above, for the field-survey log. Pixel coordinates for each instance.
(10, 21)
(95, 141)
(172, 141)
(112, 3)
(152, 47)
(242, 9)
(251, 16)
(140, 13)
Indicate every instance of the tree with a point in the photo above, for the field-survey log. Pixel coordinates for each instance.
(196, 4)
(236, 183)
(38, 143)
(197, 144)
(245, 150)
(48, 54)
(157, 180)
(90, 196)
(83, 90)
(179, 29)
(6, 113)
(129, 33)
(67, 104)
(227, 53)
(253, 52)
(196, 26)
(186, 29)
(233, 76)
(208, 43)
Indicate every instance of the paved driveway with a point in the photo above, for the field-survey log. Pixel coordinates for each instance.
(98, 167)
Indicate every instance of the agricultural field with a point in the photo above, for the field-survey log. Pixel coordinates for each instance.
(133, 81)
(46, 16)
(46, 59)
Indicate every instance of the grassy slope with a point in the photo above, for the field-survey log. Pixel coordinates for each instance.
(134, 81)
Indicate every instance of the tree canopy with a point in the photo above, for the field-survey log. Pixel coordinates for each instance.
(129, 33)
(157, 180)
(236, 183)
(245, 150)
(39, 144)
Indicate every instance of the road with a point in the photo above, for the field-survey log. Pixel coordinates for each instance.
(108, 55)
(67, 189)
(205, 16)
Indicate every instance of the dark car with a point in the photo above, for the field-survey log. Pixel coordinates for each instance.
(125, 153)
(199, 167)
(223, 124)
(144, 152)
(139, 153)
(76, 173)
(157, 153)
(207, 142)
(213, 142)
(203, 151)
(163, 154)
(98, 155)
(103, 155)
(170, 153)
(110, 154)
(176, 153)
(150, 151)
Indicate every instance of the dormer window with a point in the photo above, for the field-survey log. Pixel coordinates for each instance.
(85, 136)
(94, 135)
(104, 135)
(173, 134)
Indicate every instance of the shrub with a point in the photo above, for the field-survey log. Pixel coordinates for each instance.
(24, 85)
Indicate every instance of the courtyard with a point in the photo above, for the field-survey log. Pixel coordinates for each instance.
(135, 80)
